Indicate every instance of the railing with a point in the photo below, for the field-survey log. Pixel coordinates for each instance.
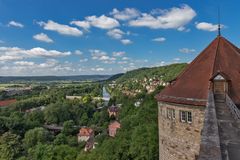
(233, 108)
(210, 141)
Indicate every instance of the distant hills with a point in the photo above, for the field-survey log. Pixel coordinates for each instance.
(166, 73)
(9, 79)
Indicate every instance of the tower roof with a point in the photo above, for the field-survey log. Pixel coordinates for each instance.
(192, 85)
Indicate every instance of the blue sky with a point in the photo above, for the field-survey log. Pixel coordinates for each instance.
(70, 37)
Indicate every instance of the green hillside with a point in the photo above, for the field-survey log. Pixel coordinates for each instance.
(166, 72)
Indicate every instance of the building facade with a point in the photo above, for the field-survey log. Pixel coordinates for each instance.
(182, 104)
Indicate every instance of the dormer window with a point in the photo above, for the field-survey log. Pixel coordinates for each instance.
(220, 83)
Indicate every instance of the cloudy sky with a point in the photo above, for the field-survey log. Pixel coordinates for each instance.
(72, 37)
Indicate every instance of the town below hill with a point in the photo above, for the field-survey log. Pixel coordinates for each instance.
(112, 119)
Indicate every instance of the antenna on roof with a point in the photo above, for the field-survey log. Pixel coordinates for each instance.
(219, 25)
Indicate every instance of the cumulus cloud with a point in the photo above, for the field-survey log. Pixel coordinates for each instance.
(159, 39)
(173, 18)
(43, 37)
(10, 58)
(99, 69)
(78, 52)
(83, 24)
(15, 53)
(46, 53)
(126, 41)
(102, 56)
(119, 54)
(15, 24)
(187, 50)
(24, 63)
(208, 26)
(115, 33)
(61, 28)
(84, 60)
(102, 22)
(126, 14)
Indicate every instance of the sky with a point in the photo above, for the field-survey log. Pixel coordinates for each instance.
(73, 37)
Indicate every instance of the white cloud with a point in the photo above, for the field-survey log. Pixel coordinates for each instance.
(61, 28)
(97, 54)
(43, 37)
(46, 53)
(159, 39)
(126, 14)
(207, 26)
(78, 52)
(176, 59)
(173, 18)
(126, 41)
(15, 24)
(15, 53)
(83, 24)
(84, 60)
(24, 63)
(119, 54)
(187, 50)
(116, 33)
(125, 58)
(102, 22)
(102, 56)
(9, 58)
(99, 69)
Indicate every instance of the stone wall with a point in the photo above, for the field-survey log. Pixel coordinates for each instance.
(178, 140)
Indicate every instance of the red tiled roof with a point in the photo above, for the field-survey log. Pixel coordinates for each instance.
(114, 125)
(85, 131)
(192, 85)
(7, 102)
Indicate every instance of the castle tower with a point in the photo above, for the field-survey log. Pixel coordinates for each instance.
(183, 102)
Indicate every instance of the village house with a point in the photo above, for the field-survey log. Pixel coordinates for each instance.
(85, 134)
(113, 127)
(198, 116)
(113, 111)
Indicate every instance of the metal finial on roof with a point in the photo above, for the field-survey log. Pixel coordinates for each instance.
(219, 25)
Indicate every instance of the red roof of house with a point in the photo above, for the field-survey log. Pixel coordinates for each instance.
(7, 102)
(114, 125)
(192, 85)
(85, 131)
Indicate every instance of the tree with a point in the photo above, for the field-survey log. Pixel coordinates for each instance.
(84, 119)
(60, 139)
(35, 136)
(68, 127)
(41, 152)
(10, 146)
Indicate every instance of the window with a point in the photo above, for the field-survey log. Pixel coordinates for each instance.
(186, 117)
(170, 113)
(183, 116)
(189, 117)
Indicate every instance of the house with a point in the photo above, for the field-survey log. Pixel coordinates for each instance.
(113, 111)
(198, 116)
(85, 134)
(113, 127)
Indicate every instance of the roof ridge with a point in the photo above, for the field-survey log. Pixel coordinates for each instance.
(216, 56)
(195, 60)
